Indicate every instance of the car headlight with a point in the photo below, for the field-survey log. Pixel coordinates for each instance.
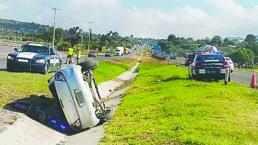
(59, 76)
(40, 61)
(10, 57)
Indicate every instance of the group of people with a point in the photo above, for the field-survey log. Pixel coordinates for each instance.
(70, 55)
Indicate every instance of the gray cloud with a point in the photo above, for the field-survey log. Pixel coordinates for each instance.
(2, 7)
(228, 19)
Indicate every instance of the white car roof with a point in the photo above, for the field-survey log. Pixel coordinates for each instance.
(40, 45)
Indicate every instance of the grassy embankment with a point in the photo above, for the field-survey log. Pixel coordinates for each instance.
(15, 86)
(164, 107)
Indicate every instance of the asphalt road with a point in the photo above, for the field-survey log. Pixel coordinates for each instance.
(99, 58)
(5, 49)
(239, 76)
(242, 77)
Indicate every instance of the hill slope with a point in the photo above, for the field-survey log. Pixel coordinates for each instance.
(12, 26)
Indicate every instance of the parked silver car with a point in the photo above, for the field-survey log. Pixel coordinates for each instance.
(230, 62)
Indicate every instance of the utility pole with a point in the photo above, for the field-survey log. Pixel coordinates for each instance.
(54, 31)
(2, 33)
(82, 40)
(90, 29)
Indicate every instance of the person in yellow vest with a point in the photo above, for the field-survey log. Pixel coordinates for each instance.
(69, 53)
(78, 55)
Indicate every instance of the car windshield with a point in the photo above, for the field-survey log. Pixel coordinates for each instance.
(36, 49)
(210, 57)
(190, 57)
(228, 59)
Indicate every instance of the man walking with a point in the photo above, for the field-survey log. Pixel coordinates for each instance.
(69, 58)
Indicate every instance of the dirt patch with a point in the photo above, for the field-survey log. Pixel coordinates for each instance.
(7, 118)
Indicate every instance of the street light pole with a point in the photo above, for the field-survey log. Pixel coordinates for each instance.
(90, 29)
(2, 34)
(54, 31)
(82, 40)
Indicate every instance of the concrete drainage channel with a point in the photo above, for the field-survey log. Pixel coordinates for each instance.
(26, 131)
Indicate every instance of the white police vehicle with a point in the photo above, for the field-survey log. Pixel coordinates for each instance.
(34, 58)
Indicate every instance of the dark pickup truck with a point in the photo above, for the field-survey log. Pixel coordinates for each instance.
(210, 66)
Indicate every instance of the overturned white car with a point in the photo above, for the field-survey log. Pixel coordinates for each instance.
(75, 88)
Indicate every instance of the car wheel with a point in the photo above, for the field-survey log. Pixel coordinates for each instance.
(225, 82)
(194, 77)
(227, 77)
(46, 68)
(9, 68)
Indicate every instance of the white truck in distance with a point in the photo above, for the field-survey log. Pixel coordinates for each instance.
(120, 51)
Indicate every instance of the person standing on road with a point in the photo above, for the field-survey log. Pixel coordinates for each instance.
(78, 55)
(69, 58)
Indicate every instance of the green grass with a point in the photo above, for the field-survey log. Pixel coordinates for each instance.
(163, 107)
(15, 86)
(109, 70)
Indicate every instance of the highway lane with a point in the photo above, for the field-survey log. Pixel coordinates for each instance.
(99, 58)
(4, 50)
(242, 77)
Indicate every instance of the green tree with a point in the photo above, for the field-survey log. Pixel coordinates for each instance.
(172, 38)
(250, 38)
(62, 45)
(252, 44)
(227, 42)
(216, 41)
(74, 35)
(243, 57)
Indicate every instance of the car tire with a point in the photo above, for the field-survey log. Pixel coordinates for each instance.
(194, 77)
(226, 82)
(46, 68)
(227, 77)
(9, 68)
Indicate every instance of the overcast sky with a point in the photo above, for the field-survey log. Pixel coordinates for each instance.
(143, 18)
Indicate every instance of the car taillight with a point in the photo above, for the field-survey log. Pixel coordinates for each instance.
(198, 65)
(225, 64)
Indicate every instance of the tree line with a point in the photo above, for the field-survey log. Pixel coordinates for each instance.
(243, 52)
(24, 31)
(75, 37)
